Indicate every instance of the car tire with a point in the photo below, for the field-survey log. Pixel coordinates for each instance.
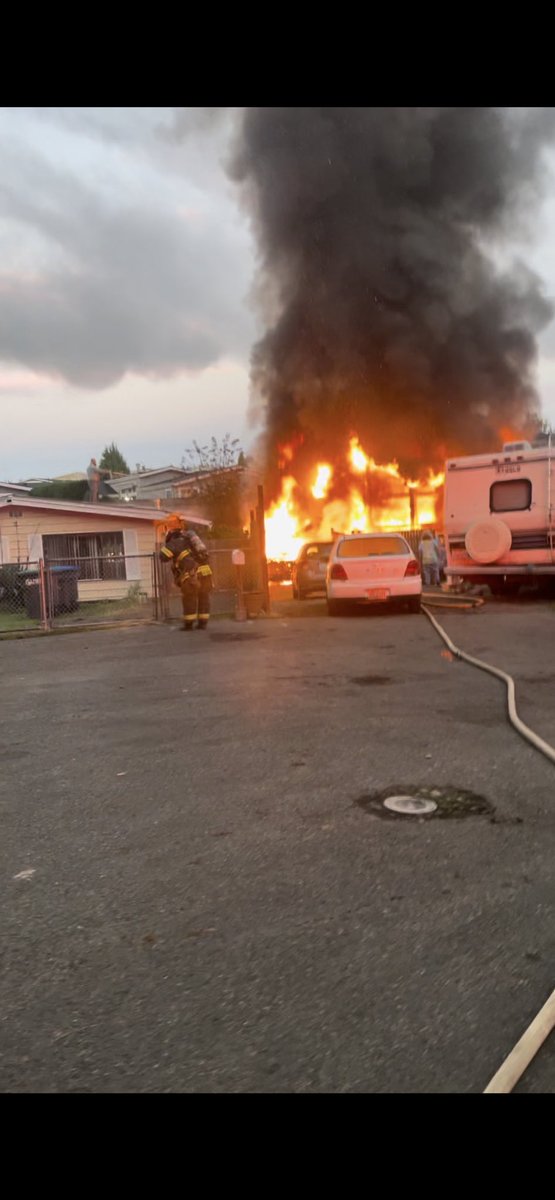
(414, 604)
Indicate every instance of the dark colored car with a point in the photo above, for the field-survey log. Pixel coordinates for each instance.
(279, 572)
(309, 571)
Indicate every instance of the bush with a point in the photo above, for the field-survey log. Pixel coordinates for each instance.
(134, 593)
(64, 489)
(11, 588)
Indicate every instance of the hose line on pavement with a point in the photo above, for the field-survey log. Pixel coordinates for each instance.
(539, 1029)
(526, 1048)
(514, 718)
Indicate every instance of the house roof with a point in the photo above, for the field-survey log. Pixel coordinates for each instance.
(205, 473)
(13, 487)
(148, 474)
(131, 512)
(32, 482)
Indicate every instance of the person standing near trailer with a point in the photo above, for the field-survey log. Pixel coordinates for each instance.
(429, 558)
(441, 555)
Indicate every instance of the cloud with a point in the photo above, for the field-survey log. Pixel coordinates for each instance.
(50, 428)
(114, 257)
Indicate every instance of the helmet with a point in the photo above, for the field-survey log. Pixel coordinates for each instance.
(173, 522)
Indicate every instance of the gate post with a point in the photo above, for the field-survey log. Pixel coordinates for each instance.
(42, 591)
(160, 590)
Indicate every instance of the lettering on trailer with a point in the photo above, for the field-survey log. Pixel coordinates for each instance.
(508, 468)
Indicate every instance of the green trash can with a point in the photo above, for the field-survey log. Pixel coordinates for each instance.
(29, 582)
(63, 589)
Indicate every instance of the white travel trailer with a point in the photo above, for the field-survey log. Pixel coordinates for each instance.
(498, 516)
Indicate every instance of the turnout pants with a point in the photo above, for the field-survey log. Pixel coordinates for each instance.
(195, 594)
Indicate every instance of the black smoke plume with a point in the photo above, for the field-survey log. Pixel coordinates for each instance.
(387, 312)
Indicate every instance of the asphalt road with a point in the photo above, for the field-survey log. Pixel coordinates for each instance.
(192, 898)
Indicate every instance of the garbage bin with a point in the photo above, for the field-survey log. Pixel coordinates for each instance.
(29, 582)
(64, 593)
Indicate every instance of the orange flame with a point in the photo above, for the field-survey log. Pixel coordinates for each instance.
(284, 536)
(323, 478)
(359, 461)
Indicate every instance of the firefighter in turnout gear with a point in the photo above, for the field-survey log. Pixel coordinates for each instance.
(192, 574)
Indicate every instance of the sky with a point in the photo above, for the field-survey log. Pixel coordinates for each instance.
(126, 281)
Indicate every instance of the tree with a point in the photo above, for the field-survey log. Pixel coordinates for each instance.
(218, 467)
(113, 460)
(218, 456)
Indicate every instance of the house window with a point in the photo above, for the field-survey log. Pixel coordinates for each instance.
(510, 496)
(98, 555)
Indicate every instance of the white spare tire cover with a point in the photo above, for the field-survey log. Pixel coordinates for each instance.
(488, 541)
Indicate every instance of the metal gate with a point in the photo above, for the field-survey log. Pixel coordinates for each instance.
(100, 590)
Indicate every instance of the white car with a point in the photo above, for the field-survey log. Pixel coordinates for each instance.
(372, 568)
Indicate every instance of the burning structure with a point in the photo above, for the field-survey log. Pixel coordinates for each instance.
(367, 496)
(394, 338)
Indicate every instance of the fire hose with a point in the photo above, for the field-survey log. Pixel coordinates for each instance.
(535, 1035)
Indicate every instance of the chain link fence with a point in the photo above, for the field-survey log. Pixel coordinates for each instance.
(21, 597)
(86, 591)
(98, 590)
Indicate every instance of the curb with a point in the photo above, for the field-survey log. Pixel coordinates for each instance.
(16, 635)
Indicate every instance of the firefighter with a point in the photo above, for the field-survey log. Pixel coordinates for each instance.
(192, 573)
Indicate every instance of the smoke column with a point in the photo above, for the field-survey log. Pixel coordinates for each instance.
(387, 312)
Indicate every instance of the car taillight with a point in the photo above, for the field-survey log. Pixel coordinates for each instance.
(413, 568)
(338, 572)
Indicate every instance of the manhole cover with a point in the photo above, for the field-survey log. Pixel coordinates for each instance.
(428, 801)
(410, 806)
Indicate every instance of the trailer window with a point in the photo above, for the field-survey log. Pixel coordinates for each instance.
(510, 496)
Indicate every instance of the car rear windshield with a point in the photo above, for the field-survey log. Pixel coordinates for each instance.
(371, 547)
(320, 550)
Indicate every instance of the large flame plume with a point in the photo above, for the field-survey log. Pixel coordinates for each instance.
(355, 493)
